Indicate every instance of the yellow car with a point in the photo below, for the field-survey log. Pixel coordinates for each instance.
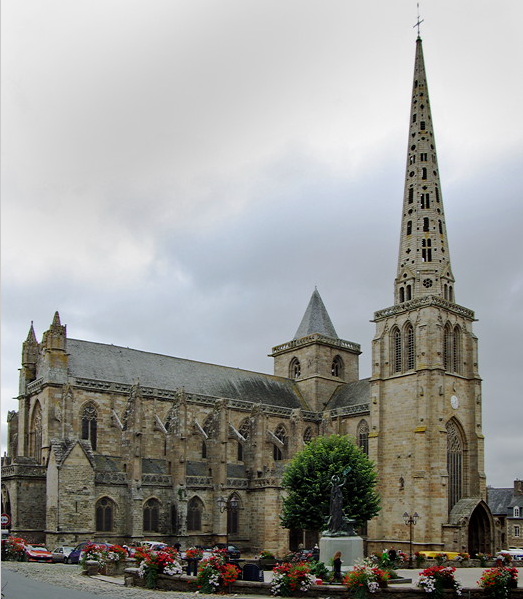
(432, 554)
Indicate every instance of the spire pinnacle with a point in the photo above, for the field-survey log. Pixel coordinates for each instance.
(316, 319)
(31, 336)
(418, 23)
(424, 262)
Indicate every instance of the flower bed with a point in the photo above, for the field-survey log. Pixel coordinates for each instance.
(498, 582)
(434, 580)
(290, 577)
(215, 574)
(152, 563)
(364, 579)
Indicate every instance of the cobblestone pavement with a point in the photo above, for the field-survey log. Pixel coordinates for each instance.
(70, 576)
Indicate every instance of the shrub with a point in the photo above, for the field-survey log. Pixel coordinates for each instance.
(13, 548)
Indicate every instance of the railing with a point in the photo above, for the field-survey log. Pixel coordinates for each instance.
(422, 302)
(315, 338)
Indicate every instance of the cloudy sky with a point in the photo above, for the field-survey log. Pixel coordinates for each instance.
(177, 176)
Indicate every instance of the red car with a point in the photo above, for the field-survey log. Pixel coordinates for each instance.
(38, 553)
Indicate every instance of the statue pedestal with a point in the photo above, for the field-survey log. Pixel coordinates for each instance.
(351, 549)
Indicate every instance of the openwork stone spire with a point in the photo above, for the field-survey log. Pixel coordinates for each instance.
(424, 262)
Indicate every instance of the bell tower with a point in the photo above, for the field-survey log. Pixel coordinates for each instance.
(425, 388)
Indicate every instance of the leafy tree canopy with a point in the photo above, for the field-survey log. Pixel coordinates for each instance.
(307, 480)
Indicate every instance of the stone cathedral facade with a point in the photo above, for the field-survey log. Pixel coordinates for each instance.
(116, 444)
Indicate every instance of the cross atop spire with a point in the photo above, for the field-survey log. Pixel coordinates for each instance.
(419, 22)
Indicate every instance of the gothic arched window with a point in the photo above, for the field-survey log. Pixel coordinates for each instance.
(233, 515)
(104, 514)
(447, 347)
(337, 367)
(294, 369)
(456, 343)
(363, 437)
(35, 438)
(307, 435)
(151, 515)
(281, 434)
(89, 424)
(194, 514)
(174, 519)
(396, 350)
(410, 350)
(454, 463)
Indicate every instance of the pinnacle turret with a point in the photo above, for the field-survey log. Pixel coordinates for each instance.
(316, 319)
(424, 262)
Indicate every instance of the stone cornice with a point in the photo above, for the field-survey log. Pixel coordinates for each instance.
(316, 338)
(424, 302)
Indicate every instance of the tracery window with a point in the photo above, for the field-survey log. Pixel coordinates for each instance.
(396, 352)
(307, 435)
(454, 463)
(363, 437)
(233, 515)
(294, 369)
(151, 515)
(104, 509)
(410, 357)
(281, 434)
(194, 514)
(89, 424)
(456, 342)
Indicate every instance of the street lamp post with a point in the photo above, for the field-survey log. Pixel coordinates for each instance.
(410, 520)
(228, 506)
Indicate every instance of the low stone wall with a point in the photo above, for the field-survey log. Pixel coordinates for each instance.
(188, 583)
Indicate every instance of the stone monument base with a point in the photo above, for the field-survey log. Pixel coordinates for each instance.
(351, 550)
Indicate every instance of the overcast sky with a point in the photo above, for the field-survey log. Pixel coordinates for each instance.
(177, 176)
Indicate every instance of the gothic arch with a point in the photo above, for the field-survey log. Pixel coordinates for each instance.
(89, 423)
(233, 514)
(457, 349)
(35, 432)
(409, 358)
(105, 514)
(281, 434)
(362, 436)
(337, 367)
(195, 510)
(447, 347)
(308, 435)
(151, 514)
(456, 447)
(396, 353)
(294, 368)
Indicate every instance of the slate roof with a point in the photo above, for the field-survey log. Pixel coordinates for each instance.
(116, 364)
(351, 394)
(499, 499)
(106, 463)
(316, 319)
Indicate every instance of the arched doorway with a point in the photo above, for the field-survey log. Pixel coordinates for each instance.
(480, 530)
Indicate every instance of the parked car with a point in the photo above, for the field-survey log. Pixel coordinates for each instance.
(76, 554)
(37, 553)
(514, 552)
(433, 554)
(61, 553)
(153, 545)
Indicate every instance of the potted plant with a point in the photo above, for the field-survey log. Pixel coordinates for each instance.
(364, 579)
(291, 577)
(497, 582)
(437, 578)
(266, 560)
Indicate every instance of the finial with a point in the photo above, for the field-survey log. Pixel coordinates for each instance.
(418, 22)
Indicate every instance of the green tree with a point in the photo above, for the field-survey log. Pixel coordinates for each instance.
(307, 480)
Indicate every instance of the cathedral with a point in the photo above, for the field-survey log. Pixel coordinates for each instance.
(115, 444)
